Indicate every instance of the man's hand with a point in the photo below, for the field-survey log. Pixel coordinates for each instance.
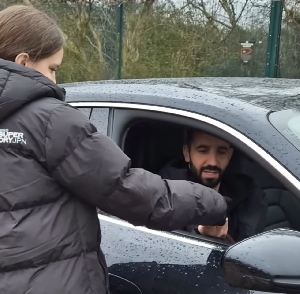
(214, 231)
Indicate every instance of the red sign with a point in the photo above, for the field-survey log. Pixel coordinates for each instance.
(246, 51)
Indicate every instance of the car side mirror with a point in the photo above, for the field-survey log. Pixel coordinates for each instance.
(269, 262)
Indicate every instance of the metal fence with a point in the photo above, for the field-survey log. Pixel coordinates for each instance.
(108, 39)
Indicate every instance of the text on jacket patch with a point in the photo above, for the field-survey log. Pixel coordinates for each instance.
(11, 137)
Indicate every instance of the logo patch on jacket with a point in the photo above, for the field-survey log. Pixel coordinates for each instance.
(12, 137)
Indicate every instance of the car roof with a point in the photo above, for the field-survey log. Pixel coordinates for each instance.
(225, 93)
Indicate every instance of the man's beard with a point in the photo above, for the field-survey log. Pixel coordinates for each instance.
(210, 183)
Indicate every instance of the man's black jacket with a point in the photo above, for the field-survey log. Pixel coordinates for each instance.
(247, 208)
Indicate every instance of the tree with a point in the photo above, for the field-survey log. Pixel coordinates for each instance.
(164, 39)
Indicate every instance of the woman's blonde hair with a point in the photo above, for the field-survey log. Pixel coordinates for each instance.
(24, 29)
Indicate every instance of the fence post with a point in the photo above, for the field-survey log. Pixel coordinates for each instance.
(274, 39)
(120, 40)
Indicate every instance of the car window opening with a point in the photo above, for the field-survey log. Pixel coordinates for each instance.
(155, 145)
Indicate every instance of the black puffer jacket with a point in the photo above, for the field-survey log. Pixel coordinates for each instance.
(54, 170)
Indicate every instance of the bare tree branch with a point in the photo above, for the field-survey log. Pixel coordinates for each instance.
(236, 23)
(201, 6)
(242, 11)
(232, 8)
(229, 9)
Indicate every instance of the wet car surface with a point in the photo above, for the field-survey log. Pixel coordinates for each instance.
(144, 261)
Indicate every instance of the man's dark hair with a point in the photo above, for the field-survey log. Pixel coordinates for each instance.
(189, 134)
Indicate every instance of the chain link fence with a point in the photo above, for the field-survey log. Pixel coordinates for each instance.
(195, 38)
(170, 38)
(90, 31)
(289, 59)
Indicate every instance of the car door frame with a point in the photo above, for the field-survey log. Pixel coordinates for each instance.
(261, 155)
(250, 147)
(207, 124)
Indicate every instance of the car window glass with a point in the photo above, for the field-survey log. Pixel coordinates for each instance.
(153, 146)
(85, 111)
(99, 118)
(287, 122)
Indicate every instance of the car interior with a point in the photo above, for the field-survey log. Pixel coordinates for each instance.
(152, 144)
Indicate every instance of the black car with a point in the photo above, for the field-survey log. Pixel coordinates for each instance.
(147, 118)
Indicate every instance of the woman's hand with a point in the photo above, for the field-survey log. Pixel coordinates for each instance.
(214, 231)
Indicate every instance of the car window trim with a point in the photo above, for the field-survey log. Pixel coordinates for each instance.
(265, 156)
(169, 235)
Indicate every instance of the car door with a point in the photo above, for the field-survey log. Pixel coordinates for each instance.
(100, 118)
(141, 260)
(158, 262)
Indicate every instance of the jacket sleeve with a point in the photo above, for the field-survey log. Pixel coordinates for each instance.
(92, 167)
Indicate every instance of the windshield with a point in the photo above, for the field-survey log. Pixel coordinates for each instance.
(287, 122)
